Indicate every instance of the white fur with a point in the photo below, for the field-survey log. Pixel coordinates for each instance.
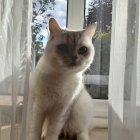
(66, 88)
(59, 99)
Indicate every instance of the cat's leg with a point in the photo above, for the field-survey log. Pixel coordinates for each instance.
(83, 136)
(80, 121)
(44, 129)
(54, 127)
(36, 123)
(55, 124)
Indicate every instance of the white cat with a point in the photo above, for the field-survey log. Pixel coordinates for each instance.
(60, 102)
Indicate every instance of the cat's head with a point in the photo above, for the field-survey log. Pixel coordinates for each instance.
(70, 51)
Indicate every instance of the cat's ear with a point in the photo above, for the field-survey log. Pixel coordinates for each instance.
(90, 30)
(54, 27)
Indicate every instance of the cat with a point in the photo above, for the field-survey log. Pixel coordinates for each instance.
(60, 101)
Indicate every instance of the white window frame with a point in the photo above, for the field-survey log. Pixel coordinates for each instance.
(75, 21)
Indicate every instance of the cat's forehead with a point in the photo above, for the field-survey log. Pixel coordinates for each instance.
(72, 37)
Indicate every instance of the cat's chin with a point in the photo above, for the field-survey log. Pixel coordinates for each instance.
(73, 69)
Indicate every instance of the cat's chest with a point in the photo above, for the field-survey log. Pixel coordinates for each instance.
(63, 90)
(65, 96)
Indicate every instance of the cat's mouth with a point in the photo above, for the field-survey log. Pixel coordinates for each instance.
(72, 64)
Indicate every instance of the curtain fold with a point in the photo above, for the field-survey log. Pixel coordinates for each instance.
(124, 81)
(15, 60)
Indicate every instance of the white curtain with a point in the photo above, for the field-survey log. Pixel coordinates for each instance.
(124, 82)
(15, 58)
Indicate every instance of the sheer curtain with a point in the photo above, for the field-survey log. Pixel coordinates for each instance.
(15, 58)
(124, 82)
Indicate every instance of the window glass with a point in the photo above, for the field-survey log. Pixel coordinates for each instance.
(42, 11)
(97, 76)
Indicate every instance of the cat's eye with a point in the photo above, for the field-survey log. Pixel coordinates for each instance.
(63, 48)
(83, 50)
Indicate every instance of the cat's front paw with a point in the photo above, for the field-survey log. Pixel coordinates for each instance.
(83, 136)
(42, 137)
(48, 138)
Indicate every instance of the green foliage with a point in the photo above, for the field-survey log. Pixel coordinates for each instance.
(39, 50)
(104, 36)
(102, 42)
(42, 11)
(100, 11)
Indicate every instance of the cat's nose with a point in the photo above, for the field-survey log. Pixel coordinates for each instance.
(74, 58)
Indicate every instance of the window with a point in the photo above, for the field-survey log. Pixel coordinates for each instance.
(13, 105)
(100, 11)
(100, 106)
(15, 42)
(42, 11)
(97, 76)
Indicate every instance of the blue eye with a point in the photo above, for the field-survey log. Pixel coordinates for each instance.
(83, 50)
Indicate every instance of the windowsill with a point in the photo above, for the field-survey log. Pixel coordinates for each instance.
(100, 132)
(100, 106)
(100, 109)
(7, 100)
(5, 132)
(95, 134)
(100, 119)
(101, 113)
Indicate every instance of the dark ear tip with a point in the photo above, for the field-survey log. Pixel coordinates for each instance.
(51, 20)
(54, 26)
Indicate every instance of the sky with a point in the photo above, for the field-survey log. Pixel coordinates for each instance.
(60, 14)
